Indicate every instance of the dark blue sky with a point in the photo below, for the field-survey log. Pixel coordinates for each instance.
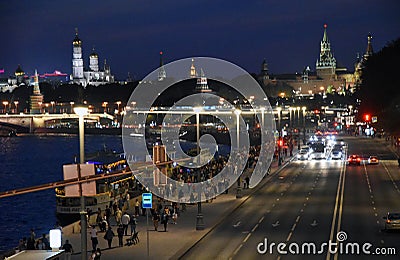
(130, 34)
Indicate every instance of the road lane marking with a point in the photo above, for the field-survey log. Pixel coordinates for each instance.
(391, 178)
(248, 235)
(342, 170)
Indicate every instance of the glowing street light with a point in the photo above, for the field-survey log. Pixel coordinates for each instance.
(81, 112)
(5, 103)
(16, 106)
(118, 104)
(199, 217)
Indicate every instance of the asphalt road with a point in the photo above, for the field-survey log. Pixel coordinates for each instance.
(309, 206)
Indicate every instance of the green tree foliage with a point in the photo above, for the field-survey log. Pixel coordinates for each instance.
(380, 91)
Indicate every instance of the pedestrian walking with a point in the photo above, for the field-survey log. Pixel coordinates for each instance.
(93, 237)
(137, 205)
(118, 216)
(93, 255)
(108, 214)
(125, 222)
(165, 218)
(127, 199)
(120, 232)
(68, 250)
(109, 235)
(156, 219)
(45, 241)
(98, 254)
(133, 223)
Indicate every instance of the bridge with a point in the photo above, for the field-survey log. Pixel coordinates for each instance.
(29, 123)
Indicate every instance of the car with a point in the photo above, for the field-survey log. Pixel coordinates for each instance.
(392, 221)
(354, 159)
(303, 155)
(373, 160)
(336, 154)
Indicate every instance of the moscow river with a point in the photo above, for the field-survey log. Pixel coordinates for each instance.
(32, 160)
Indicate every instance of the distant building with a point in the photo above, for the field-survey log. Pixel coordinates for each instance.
(36, 99)
(12, 82)
(360, 63)
(92, 75)
(328, 77)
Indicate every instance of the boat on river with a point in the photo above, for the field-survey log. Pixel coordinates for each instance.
(98, 193)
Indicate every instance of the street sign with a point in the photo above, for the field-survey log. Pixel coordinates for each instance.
(147, 200)
(374, 119)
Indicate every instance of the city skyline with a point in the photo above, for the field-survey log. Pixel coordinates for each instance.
(130, 35)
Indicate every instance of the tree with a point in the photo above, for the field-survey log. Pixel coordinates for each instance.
(380, 88)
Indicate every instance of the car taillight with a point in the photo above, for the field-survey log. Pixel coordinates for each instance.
(358, 159)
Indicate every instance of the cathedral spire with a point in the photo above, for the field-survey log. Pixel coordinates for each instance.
(325, 38)
(326, 64)
(369, 50)
(193, 70)
(161, 71)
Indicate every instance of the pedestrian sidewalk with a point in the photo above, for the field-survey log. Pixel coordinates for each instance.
(179, 237)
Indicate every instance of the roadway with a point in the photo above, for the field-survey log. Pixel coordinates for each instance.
(308, 203)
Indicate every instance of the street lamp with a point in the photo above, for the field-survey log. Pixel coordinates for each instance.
(105, 103)
(52, 106)
(199, 217)
(279, 118)
(16, 106)
(81, 112)
(237, 113)
(298, 116)
(304, 124)
(5, 103)
(118, 104)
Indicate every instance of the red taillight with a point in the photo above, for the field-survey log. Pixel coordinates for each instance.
(358, 159)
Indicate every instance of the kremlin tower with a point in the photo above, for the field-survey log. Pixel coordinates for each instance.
(36, 99)
(326, 65)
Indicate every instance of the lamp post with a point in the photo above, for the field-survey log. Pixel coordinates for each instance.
(16, 106)
(81, 112)
(304, 124)
(52, 106)
(237, 113)
(72, 104)
(298, 116)
(5, 103)
(279, 135)
(199, 217)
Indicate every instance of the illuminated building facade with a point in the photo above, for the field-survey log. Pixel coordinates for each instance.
(93, 75)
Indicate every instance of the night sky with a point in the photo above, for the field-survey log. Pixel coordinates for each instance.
(130, 34)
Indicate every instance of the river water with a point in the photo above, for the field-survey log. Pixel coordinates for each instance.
(32, 160)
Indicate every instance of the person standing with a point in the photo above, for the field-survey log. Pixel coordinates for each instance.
(93, 237)
(125, 222)
(109, 236)
(68, 250)
(120, 232)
